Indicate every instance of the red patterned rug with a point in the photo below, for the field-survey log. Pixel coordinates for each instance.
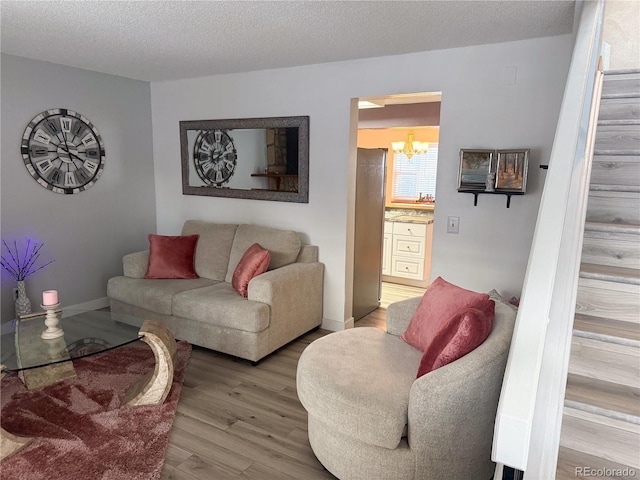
(79, 430)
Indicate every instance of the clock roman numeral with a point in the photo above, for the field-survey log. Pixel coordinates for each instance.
(42, 137)
(69, 179)
(52, 127)
(38, 151)
(44, 166)
(90, 166)
(206, 166)
(78, 129)
(55, 176)
(82, 177)
(65, 124)
(88, 140)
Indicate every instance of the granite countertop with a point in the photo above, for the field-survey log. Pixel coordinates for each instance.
(411, 218)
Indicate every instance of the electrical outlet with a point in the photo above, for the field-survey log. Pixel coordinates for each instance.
(15, 293)
(453, 224)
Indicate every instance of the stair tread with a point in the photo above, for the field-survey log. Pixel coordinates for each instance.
(571, 461)
(607, 273)
(609, 96)
(603, 394)
(607, 326)
(608, 74)
(615, 440)
(627, 152)
(619, 195)
(611, 362)
(614, 188)
(612, 228)
(619, 122)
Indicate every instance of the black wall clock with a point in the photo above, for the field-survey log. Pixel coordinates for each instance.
(63, 151)
(214, 157)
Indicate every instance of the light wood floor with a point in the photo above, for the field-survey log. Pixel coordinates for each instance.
(237, 421)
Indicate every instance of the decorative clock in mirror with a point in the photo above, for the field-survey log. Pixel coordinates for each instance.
(255, 158)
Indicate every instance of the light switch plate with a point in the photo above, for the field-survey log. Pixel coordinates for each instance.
(453, 224)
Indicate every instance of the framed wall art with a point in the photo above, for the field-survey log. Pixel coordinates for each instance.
(511, 170)
(475, 166)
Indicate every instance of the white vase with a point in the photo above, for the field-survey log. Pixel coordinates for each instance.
(23, 304)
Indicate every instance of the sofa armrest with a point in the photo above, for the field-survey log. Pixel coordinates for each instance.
(399, 315)
(294, 295)
(135, 264)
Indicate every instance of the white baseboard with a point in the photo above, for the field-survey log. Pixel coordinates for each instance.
(96, 304)
(336, 325)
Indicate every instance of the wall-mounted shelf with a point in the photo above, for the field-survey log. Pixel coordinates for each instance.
(480, 192)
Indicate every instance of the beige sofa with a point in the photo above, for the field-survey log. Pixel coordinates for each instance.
(282, 303)
(370, 418)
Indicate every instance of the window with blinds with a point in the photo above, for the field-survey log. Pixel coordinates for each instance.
(414, 176)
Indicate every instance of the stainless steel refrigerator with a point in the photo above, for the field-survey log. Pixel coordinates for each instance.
(369, 230)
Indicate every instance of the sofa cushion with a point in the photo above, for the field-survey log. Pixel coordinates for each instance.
(359, 380)
(465, 331)
(213, 249)
(150, 294)
(253, 263)
(222, 305)
(171, 256)
(283, 246)
(441, 300)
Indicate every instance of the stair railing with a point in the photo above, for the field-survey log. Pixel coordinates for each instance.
(529, 416)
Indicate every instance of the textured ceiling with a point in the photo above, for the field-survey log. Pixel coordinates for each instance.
(161, 40)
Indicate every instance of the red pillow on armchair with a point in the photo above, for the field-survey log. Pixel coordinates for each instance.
(463, 333)
(441, 300)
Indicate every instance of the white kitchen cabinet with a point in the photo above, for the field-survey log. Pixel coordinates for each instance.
(407, 251)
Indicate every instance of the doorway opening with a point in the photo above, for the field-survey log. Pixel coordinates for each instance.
(407, 128)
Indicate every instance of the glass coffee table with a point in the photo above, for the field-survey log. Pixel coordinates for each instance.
(41, 362)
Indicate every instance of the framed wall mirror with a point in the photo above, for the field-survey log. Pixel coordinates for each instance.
(255, 158)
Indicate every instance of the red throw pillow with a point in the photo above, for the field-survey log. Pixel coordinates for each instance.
(254, 261)
(464, 332)
(441, 300)
(172, 257)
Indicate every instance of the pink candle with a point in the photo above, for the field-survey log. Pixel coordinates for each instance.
(49, 297)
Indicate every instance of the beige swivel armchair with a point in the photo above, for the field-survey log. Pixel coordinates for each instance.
(370, 418)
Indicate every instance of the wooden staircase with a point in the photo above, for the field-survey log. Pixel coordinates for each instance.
(601, 423)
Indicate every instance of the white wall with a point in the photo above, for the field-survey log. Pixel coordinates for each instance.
(86, 233)
(481, 108)
(621, 30)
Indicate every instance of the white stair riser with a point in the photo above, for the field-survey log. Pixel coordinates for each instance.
(621, 170)
(614, 207)
(619, 364)
(608, 300)
(612, 249)
(602, 437)
(619, 109)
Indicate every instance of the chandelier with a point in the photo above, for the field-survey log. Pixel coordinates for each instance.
(410, 147)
